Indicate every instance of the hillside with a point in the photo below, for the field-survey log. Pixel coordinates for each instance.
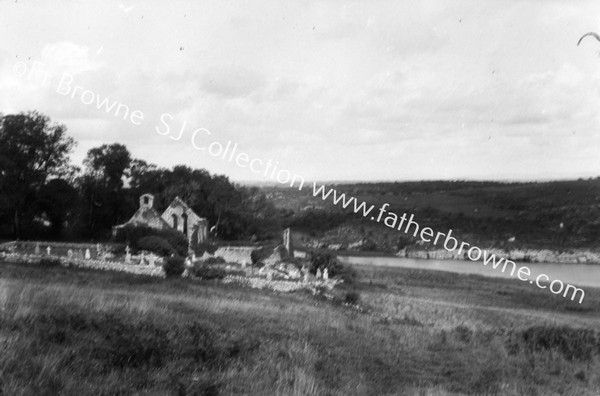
(556, 215)
(72, 331)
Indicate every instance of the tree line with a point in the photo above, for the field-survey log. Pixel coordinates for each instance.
(44, 195)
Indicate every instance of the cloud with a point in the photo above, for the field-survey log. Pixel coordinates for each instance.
(231, 81)
(463, 87)
(69, 57)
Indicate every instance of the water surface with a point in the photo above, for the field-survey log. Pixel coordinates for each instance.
(575, 274)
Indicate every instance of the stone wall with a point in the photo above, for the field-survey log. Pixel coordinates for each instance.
(236, 254)
(90, 263)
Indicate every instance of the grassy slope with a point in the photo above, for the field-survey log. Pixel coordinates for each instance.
(87, 332)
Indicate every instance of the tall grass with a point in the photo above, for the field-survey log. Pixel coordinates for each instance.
(73, 332)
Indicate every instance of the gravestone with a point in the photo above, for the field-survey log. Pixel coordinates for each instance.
(128, 257)
(48, 250)
(87, 254)
(70, 254)
(142, 258)
(304, 272)
(325, 274)
(287, 242)
(37, 249)
(202, 230)
(318, 275)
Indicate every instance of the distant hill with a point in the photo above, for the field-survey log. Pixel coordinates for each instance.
(557, 215)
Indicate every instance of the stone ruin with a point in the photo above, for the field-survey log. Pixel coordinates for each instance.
(178, 216)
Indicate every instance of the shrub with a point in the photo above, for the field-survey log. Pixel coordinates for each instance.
(572, 343)
(174, 266)
(352, 297)
(215, 260)
(48, 262)
(132, 234)
(261, 253)
(205, 271)
(156, 245)
(333, 265)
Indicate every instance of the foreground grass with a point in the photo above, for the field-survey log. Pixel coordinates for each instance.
(76, 332)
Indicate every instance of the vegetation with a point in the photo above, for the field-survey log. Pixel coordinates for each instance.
(324, 260)
(208, 271)
(167, 240)
(76, 331)
(174, 266)
(44, 196)
(47, 262)
(554, 215)
(156, 245)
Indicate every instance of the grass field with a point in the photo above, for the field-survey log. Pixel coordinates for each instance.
(74, 332)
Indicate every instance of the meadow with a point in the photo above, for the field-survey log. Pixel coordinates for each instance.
(412, 332)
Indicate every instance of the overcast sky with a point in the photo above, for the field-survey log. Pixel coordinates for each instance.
(331, 90)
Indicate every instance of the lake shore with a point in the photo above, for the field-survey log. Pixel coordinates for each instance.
(570, 256)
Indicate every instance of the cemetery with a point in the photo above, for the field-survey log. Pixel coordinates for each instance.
(280, 270)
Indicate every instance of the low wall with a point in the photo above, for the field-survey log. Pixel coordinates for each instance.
(91, 263)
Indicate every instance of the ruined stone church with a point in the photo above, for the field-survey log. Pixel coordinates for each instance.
(178, 216)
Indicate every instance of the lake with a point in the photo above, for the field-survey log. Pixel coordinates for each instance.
(575, 274)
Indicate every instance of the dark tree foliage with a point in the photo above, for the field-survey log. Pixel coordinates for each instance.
(101, 188)
(59, 201)
(32, 151)
(134, 236)
(235, 211)
(42, 195)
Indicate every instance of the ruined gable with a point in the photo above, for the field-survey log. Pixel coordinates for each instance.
(146, 215)
(182, 218)
(178, 216)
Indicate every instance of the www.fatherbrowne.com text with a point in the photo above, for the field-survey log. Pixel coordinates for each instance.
(269, 169)
(408, 225)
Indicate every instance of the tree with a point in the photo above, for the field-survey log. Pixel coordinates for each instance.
(108, 164)
(32, 151)
(58, 200)
(101, 186)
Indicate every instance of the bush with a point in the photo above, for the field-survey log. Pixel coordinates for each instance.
(47, 262)
(156, 245)
(261, 253)
(205, 271)
(215, 260)
(132, 234)
(333, 265)
(174, 266)
(352, 297)
(572, 343)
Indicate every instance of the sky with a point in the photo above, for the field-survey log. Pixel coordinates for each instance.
(327, 90)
